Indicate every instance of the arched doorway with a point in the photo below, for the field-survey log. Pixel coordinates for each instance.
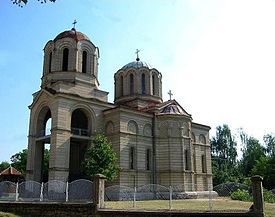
(80, 139)
(42, 145)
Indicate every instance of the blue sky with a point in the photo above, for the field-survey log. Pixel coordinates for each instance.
(216, 56)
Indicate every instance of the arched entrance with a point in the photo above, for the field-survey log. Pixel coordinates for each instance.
(42, 145)
(80, 139)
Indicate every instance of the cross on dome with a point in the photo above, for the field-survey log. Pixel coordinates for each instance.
(170, 94)
(75, 22)
(137, 51)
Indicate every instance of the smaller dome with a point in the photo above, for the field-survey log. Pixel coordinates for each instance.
(77, 36)
(137, 65)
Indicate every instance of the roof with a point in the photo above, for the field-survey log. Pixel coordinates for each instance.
(172, 107)
(77, 36)
(137, 65)
(10, 171)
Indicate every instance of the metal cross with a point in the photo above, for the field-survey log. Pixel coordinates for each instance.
(170, 94)
(75, 22)
(137, 51)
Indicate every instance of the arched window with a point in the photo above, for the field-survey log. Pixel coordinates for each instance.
(79, 123)
(153, 85)
(65, 61)
(50, 63)
(143, 83)
(131, 84)
(121, 85)
(84, 62)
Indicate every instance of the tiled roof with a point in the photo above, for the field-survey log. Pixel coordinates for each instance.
(78, 36)
(10, 171)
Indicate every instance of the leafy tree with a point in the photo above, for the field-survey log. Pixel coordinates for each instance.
(21, 2)
(19, 161)
(224, 156)
(101, 158)
(269, 140)
(4, 165)
(253, 151)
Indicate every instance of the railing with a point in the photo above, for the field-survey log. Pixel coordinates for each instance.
(79, 131)
(44, 132)
(77, 191)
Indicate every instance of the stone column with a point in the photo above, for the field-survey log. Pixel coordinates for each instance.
(99, 190)
(257, 193)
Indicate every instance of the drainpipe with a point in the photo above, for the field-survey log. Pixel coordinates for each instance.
(154, 169)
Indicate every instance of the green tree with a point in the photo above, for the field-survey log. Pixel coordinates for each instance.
(224, 156)
(20, 3)
(4, 165)
(19, 161)
(269, 141)
(253, 151)
(101, 158)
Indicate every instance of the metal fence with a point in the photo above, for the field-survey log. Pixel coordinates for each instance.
(174, 197)
(77, 191)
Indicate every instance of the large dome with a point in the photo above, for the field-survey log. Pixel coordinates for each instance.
(137, 65)
(77, 36)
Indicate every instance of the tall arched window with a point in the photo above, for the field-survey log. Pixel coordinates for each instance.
(50, 63)
(153, 85)
(131, 84)
(84, 61)
(65, 61)
(143, 83)
(121, 85)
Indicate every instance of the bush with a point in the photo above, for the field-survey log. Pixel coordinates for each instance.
(269, 197)
(242, 195)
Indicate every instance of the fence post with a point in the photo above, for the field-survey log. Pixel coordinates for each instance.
(257, 194)
(170, 197)
(210, 196)
(16, 192)
(135, 191)
(67, 191)
(99, 188)
(41, 192)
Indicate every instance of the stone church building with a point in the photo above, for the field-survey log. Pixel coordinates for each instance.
(156, 142)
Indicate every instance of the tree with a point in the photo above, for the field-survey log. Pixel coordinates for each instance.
(4, 165)
(269, 140)
(21, 2)
(19, 161)
(224, 156)
(101, 158)
(252, 152)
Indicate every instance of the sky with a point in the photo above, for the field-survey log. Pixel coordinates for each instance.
(216, 56)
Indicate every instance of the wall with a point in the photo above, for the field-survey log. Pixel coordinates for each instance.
(87, 210)
(48, 209)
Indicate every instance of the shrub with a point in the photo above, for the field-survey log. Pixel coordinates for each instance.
(269, 197)
(242, 195)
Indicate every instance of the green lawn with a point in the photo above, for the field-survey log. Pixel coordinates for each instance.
(5, 214)
(191, 204)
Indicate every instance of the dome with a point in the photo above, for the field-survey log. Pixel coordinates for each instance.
(77, 36)
(137, 65)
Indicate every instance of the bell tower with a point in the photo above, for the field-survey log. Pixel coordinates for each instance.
(62, 113)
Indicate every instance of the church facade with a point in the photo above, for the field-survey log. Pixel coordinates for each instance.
(156, 142)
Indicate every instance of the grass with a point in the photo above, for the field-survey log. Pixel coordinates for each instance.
(5, 214)
(191, 205)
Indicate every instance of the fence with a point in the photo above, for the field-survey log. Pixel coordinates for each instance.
(77, 191)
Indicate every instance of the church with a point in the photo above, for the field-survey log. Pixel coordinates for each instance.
(156, 141)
